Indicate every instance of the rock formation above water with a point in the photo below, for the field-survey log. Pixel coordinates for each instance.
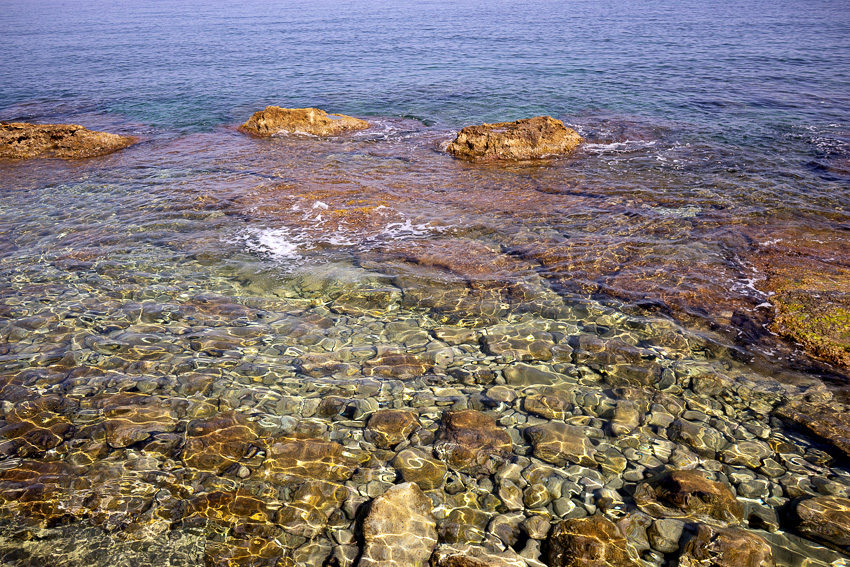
(529, 138)
(20, 140)
(313, 121)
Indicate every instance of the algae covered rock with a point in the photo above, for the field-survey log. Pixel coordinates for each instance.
(529, 138)
(313, 121)
(20, 140)
(818, 318)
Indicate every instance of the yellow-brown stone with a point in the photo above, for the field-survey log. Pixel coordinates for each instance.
(216, 443)
(471, 441)
(399, 530)
(726, 547)
(524, 139)
(388, 428)
(689, 494)
(314, 121)
(588, 542)
(293, 460)
(20, 140)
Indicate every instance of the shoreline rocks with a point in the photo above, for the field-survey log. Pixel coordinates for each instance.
(312, 121)
(529, 138)
(21, 140)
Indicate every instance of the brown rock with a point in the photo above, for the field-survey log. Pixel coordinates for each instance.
(229, 508)
(216, 443)
(19, 140)
(399, 530)
(402, 366)
(390, 427)
(588, 542)
(460, 555)
(256, 552)
(726, 547)
(415, 466)
(559, 444)
(34, 427)
(292, 459)
(829, 421)
(825, 519)
(550, 406)
(471, 441)
(688, 494)
(126, 425)
(312, 121)
(524, 139)
(314, 501)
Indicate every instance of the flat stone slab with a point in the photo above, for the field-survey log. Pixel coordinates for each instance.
(399, 530)
(21, 140)
(313, 121)
(529, 138)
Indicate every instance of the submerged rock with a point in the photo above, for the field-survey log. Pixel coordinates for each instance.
(726, 547)
(416, 466)
(390, 427)
(825, 519)
(588, 542)
(688, 494)
(524, 139)
(460, 555)
(559, 444)
(216, 443)
(471, 441)
(399, 530)
(312, 121)
(20, 140)
(828, 421)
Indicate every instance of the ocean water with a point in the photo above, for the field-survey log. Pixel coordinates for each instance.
(202, 271)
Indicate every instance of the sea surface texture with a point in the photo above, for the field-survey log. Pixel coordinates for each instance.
(223, 350)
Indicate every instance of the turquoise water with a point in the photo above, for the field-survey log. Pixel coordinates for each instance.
(202, 272)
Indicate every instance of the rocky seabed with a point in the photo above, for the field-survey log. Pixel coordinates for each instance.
(350, 425)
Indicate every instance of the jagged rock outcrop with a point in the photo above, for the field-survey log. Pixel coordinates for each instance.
(21, 140)
(529, 138)
(314, 121)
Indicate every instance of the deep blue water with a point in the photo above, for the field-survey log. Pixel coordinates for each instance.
(744, 67)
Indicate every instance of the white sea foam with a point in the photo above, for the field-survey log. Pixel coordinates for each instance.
(288, 244)
(627, 146)
(276, 244)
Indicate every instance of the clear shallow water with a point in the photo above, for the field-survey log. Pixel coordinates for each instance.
(202, 271)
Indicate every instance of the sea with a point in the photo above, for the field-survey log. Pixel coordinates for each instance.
(203, 272)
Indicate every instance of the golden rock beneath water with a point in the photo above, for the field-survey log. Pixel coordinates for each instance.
(21, 140)
(313, 121)
(726, 547)
(217, 443)
(689, 494)
(829, 421)
(390, 427)
(472, 441)
(560, 444)
(825, 519)
(586, 542)
(293, 460)
(529, 138)
(400, 530)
